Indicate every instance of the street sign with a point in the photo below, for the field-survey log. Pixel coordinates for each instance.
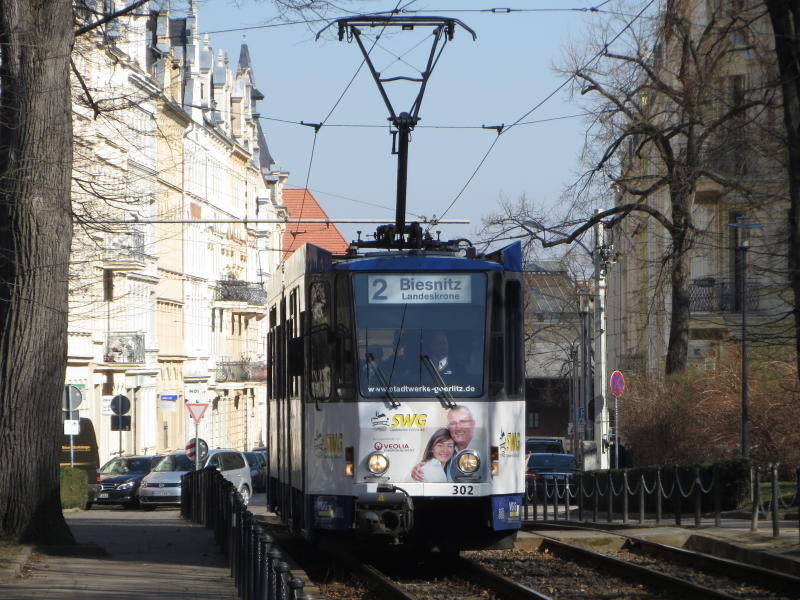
(120, 423)
(72, 427)
(617, 383)
(196, 410)
(72, 397)
(197, 447)
(120, 405)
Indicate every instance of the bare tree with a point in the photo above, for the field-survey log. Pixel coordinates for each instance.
(664, 118)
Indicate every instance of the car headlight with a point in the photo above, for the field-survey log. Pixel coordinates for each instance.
(377, 463)
(126, 486)
(468, 462)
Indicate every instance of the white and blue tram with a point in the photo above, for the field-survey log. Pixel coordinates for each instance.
(396, 395)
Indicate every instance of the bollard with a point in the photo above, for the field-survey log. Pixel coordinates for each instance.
(256, 561)
(641, 498)
(296, 588)
(755, 494)
(776, 531)
(274, 558)
(659, 496)
(580, 496)
(610, 501)
(717, 497)
(676, 496)
(282, 575)
(625, 496)
(697, 496)
(596, 507)
(556, 503)
(544, 501)
(567, 507)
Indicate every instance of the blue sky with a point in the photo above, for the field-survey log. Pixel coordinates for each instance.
(494, 80)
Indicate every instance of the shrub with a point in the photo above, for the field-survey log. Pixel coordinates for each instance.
(74, 489)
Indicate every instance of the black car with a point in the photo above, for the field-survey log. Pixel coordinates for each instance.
(546, 468)
(120, 478)
(258, 470)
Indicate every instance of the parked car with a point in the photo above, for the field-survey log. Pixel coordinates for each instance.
(120, 479)
(162, 487)
(549, 467)
(552, 445)
(257, 461)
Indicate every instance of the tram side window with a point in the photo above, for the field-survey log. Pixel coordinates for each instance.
(320, 355)
(345, 384)
(514, 358)
(496, 345)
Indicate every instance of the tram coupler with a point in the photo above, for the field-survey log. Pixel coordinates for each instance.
(386, 512)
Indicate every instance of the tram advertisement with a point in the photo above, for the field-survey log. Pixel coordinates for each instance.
(426, 443)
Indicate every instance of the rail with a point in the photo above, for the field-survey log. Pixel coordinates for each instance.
(607, 495)
(256, 563)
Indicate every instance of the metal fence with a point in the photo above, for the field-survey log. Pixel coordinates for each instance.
(597, 498)
(256, 563)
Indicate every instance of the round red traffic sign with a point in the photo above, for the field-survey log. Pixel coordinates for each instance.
(617, 383)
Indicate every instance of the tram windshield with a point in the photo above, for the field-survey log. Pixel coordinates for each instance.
(420, 334)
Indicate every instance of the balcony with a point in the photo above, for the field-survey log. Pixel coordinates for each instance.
(124, 251)
(125, 348)
(711, 295)
(241, 297)
(233, 371)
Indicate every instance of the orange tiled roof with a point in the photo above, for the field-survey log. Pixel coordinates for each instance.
(301, 204)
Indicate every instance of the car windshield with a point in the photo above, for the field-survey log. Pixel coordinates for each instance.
(418, 332)
(252, 460)
(124, 466)
(175, 462)
(544, 446)
(552, 462)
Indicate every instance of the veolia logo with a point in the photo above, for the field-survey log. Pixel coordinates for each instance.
(391, 446)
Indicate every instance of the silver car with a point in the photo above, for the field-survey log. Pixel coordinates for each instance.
(162, 486)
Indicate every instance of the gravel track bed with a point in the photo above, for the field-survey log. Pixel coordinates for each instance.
(698, 576)
(560, 578)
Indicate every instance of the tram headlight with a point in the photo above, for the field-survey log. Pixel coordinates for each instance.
(377, 463)
(468, 462)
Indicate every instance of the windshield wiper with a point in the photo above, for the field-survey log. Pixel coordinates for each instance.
(446, 398)
(375, 368)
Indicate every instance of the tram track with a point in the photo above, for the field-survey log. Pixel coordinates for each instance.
(636, 570)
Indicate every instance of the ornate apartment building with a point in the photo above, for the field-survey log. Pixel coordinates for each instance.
(171, 175)
(717, 97)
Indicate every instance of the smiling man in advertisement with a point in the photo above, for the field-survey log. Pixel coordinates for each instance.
(461, 428)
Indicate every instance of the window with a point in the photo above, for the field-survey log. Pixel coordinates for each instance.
(232, 460)
(320, 354)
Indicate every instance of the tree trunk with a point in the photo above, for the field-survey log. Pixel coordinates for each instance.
(681, 193)
(35, 236)
(785, 16)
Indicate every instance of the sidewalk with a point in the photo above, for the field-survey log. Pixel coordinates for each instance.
(127, 555)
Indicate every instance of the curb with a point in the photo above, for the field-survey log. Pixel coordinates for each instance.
(10, 569)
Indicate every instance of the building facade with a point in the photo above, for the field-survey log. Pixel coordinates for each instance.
(168, 265)
(739, 193)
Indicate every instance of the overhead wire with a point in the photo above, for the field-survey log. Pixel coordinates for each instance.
(539, 104)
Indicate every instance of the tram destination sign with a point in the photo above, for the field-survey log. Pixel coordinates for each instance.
(420, 288)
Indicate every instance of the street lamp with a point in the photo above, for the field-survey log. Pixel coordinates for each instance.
(743, 227)
(601, 258)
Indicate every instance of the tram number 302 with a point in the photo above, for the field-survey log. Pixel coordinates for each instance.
(462, 490)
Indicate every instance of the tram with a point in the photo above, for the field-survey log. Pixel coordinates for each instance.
(396, 393)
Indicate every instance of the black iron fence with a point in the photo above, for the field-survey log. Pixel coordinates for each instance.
(613, 496)
(257, 565)
(708, 294)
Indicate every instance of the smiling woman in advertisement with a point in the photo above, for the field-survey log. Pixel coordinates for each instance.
(437, 455)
